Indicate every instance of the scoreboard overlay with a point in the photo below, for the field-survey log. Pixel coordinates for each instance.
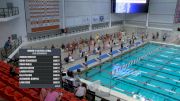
(39, 68)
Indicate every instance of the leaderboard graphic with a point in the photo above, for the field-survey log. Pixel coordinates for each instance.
(39, 68)
(177, 15)
(42, 15)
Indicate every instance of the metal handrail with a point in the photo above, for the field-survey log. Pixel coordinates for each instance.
(7, 12)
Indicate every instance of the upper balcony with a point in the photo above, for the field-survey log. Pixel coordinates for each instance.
(7, 14)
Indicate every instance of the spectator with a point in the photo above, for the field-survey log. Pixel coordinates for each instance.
(78, 72)
(109, 45)
(122, 45)
(10, 42)
(13, 71)
(8, 45)
(95, 51)
(112, 41)
(85, 58)
(133, 41)
(153, 36)
(63, 46)
(157, 35)
(89, 47)
(99, 48)
(53, 96)
(130, 42)
(71, 81)
(66, 59)
(70, 74)
(52, 47)
(80, 52)
(99, 52)
(71, 48)
(71, 58)
(94, 43)
(43, 94)
(142, 37)
(111, 49)
(164, 37)
(81, 91)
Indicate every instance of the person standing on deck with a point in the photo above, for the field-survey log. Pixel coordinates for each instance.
(86, 58)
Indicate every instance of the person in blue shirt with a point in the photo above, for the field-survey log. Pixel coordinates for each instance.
(7, 45)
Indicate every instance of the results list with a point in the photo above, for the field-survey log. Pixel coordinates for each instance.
(39, 68)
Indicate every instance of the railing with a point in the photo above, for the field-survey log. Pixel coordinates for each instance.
(8, 12)
(4, 53)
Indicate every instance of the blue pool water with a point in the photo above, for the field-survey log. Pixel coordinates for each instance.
(158, 78)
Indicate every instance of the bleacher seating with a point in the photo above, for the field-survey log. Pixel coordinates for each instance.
(9, 88)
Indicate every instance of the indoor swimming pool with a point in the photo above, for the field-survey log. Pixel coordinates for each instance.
(151, 71)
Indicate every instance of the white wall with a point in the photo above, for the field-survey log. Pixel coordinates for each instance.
(117, 17)
(15, 26)
(161, 14)
(136, 19)
(82, 12)
(86, 12)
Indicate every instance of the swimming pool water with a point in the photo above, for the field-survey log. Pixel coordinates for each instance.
(159, 78)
